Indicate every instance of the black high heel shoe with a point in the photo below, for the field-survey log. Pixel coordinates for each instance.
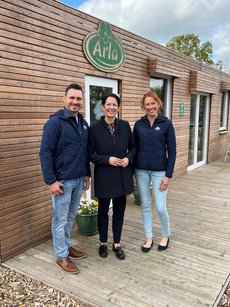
(163, 247)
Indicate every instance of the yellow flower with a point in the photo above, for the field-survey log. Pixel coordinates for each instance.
(87, 206)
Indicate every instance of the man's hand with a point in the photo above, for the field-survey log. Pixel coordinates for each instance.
(87, 183)
(56, 188)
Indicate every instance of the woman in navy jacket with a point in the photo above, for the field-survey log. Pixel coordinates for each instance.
(155, 158)
(111, 148)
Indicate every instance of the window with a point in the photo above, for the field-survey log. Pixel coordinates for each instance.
(224, 111)
(163, 88)
(198, 132)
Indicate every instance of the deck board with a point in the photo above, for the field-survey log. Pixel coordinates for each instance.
(190, 273)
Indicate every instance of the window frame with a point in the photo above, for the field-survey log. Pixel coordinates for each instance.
(224, 111)
(168, 84)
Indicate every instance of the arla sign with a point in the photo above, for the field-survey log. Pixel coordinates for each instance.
(103, 49)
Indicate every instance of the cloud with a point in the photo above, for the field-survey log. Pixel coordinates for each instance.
(221, 42)
(159, 21)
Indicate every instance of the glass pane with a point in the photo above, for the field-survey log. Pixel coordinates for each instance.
(222, 111)
(96, 94)
(158, 85)
(201, 128)
(192, 130)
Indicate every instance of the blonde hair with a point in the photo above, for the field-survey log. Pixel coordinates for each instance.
(155, 97)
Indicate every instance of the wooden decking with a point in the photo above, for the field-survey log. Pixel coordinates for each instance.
(190, 273)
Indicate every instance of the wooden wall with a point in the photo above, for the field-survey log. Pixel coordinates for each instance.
(41, 53)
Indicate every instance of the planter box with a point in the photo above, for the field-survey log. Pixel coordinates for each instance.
(87, 224)
(136, 195)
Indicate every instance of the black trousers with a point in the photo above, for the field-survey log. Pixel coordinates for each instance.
(119, 205)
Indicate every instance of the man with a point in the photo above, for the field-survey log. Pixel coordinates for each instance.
(66, 171)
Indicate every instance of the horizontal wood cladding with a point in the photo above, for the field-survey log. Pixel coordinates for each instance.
(225, 85)
(37, 233)
(204, 82)
(159, 65)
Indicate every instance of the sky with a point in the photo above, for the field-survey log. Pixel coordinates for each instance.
(159, 21)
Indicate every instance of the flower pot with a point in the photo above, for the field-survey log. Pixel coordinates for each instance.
(136, 195)
(87, 224)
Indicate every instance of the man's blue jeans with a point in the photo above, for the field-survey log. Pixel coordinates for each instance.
(65, 207)
(144, 179)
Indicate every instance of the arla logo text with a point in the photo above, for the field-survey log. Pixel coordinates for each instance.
(103, 49)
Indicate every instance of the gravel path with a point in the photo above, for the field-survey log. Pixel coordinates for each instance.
(225, 300)
(17, 290)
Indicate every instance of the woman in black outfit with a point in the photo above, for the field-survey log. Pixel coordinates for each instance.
(112, 150)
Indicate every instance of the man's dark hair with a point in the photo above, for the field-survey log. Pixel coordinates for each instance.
(104, 98)
(74, 86)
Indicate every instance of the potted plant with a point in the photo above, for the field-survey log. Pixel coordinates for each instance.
(136, 195)
(86, 217)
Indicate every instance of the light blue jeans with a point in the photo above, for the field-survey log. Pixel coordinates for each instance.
(144, 179)
(65, 207)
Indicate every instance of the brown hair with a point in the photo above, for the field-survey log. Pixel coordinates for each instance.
(74, 86)
(155, 97)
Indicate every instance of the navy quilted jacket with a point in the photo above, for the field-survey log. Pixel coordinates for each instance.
(156, 145)
(63, 152)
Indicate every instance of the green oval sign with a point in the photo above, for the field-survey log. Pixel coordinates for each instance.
(103, 49)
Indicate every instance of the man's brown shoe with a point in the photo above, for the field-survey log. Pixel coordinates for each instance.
(73, 253)
(67, 265)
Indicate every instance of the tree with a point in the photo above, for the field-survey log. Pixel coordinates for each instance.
(190, 45)
(219, 65)
(223, 65)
